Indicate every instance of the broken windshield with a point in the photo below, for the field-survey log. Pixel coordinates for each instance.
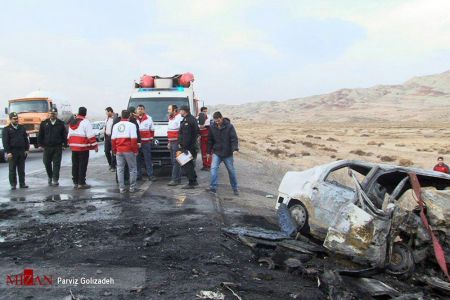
(340, 176)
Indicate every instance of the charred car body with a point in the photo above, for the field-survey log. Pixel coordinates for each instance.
(362, 210)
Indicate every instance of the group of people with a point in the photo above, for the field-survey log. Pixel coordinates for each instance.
(128, 146)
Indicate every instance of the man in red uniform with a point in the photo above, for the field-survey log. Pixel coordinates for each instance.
(441, 167)
(204, 123)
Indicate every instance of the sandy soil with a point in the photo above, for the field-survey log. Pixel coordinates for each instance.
(300, 146)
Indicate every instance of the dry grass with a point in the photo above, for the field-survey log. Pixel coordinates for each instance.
(405, 162)
(402, 144)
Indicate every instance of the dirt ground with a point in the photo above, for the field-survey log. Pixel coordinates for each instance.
(304, 145)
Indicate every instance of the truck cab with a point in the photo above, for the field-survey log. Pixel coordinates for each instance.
(156, 99)
(33, 109)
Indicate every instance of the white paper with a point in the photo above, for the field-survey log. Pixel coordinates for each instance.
(184, 158)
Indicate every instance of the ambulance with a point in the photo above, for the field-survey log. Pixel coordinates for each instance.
(156, 93)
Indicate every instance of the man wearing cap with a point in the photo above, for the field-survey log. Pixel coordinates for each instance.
(81, 139)
(16, 144)
(187, 141)
(52, 137)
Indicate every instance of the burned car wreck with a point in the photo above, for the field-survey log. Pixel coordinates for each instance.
(372, 213)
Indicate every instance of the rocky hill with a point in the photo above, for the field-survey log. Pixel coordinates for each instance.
(420, 99)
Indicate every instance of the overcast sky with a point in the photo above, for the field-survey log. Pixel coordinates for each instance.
(239, 51)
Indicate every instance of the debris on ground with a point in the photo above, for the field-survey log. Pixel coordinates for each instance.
(437, 283)
(373, 287)
(256, 233)
(210, 295)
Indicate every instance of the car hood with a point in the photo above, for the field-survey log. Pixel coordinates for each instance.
(300, 183)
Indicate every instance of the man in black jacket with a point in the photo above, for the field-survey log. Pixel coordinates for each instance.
(52, 137)
(222, 143)
(16, 144)
(187, 141)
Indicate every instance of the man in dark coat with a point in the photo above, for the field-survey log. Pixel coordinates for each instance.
(187, 141)
(222, 143)
(52, 137)
(17, 145)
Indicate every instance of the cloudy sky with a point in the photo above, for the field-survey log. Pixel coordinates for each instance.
(90, 52)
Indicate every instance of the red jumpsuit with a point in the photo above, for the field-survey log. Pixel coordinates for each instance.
(204, 143)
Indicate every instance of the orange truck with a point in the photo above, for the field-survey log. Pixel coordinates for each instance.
(33, 109)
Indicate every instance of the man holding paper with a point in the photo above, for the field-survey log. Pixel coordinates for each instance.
(186, 142)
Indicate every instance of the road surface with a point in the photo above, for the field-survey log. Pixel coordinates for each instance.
(160, 243)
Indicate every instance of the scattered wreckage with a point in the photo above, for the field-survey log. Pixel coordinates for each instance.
(382, 217)
(365, 211)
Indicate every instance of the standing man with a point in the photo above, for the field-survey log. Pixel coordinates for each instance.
(173, 130)
(81, 140)
(52, 137)
(125, 147)
(204, 124)
(132, 119)
(187, 142)
(108, 131)
(147, 132)
(222, 142)
(17, 145)
(441, 167)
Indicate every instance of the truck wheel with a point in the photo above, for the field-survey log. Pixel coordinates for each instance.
(402, 261)
(300, 216)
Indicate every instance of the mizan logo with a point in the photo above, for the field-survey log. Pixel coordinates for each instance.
(28, 278)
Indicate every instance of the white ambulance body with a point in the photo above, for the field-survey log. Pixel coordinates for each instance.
(156, 100)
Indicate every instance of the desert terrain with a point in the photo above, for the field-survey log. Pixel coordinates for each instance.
(300, 146)
(406, 124)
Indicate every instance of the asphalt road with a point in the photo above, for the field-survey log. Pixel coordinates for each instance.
(160, 243)
(35, 165)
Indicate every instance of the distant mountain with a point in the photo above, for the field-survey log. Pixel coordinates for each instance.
(424, 98)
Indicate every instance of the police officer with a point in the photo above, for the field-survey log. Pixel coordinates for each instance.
(52, 137)
(187, 142)
(17, 145)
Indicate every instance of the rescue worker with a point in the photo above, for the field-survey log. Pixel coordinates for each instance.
(222, 143)
(110, 116)
(81, 140)
(441, 167)
(173, 130)
(204, 125)
(132, 119)
(187, 141)
(147, 132)
(52, 138)
(16, 145)
(125, 147)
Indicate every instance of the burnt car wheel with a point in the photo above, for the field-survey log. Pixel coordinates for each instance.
(402, 261)
(300, 216)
